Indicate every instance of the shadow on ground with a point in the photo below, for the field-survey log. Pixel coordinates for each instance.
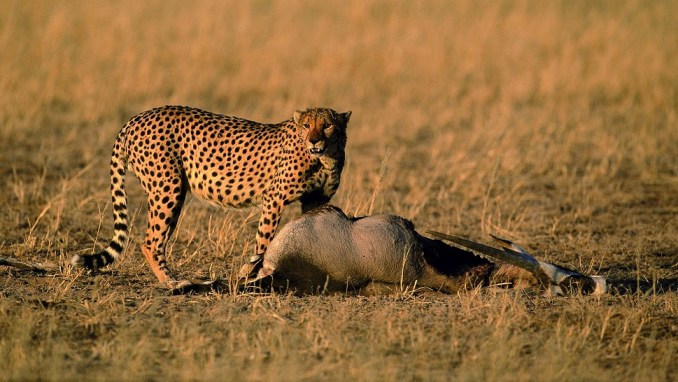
(631, 286)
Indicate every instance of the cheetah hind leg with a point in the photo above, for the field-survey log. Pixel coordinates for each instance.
(164, 209)
(161, 225)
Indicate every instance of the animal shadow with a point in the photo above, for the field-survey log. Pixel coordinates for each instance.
(634, 286)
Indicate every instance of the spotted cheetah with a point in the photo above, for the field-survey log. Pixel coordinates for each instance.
(226, 160)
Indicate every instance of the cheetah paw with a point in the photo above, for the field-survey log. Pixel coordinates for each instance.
(248, 272)
(248, 277)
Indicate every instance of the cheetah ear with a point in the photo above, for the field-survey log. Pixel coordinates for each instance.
(297, 115)
(345, 117)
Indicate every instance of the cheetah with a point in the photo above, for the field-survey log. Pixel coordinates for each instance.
(226, 160)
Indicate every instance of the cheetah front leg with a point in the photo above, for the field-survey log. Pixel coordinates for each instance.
(268, 223)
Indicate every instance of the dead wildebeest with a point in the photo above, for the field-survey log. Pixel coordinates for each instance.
(326, 251)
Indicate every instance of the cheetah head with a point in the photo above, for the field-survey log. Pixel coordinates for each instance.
(323, 130)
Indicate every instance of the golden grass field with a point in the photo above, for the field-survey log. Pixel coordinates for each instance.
(551, 123)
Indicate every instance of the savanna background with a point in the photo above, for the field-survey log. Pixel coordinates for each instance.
(551, 123)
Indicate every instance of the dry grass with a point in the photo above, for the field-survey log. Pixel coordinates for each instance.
(552, 123)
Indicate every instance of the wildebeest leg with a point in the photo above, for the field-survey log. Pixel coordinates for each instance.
(556, 279)
(459, 269)
(453, 269)
(511, 276)
(448, 260)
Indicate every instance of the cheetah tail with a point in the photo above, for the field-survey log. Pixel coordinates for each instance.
(120, 214)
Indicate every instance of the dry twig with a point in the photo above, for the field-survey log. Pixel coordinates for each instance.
(34, 267)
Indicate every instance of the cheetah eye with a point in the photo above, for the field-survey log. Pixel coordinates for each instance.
(327, 127)
(306, 126)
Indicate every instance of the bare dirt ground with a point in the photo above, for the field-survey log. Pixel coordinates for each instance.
(553, 124)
